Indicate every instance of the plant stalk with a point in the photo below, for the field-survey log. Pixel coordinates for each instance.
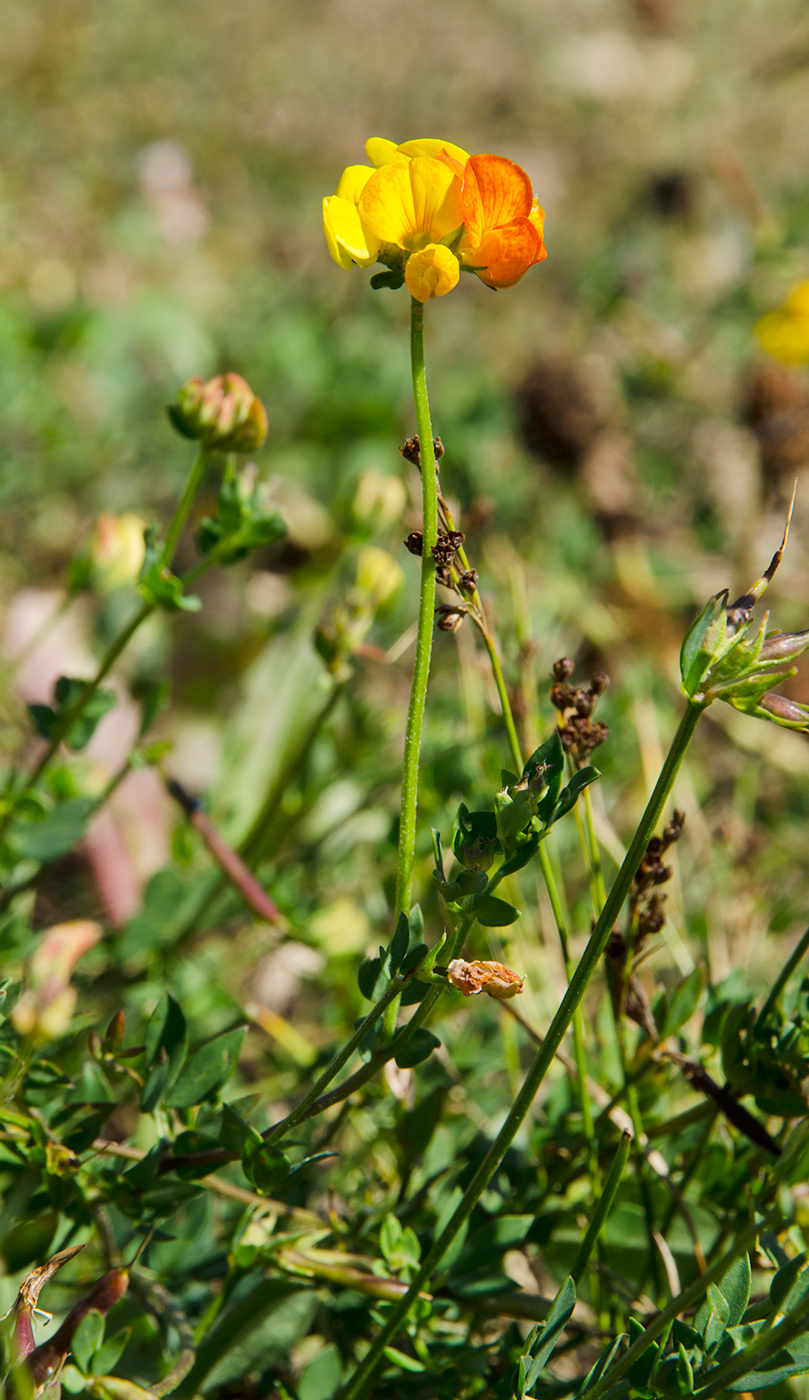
(360, 1384)
(424, 635)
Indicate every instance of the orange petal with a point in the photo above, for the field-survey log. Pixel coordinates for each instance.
(495, 192)
(505, 254)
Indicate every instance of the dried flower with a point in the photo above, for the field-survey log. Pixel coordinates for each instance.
(493, 978)
(46, 1006)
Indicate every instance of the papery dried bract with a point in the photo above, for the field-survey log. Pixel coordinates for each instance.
(46, 1006)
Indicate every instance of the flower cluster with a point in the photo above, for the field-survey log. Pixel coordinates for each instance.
(785, 333)
(427, 211)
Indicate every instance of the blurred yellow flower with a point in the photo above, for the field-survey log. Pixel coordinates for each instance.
(785, 333)
(427, 210)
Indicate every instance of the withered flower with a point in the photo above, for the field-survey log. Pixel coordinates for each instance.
(493, 978)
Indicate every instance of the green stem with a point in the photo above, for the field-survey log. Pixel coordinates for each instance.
(424, 634)
(783, 977)
(603, 1208)
(360, 1384)
(505, 703)
(335, 1065)
(181, 513)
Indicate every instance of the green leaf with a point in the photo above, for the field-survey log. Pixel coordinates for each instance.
(735, 1288)
(166, 1041)
(701, 642)
(413, 957)
(163, 589)
(389, 1236)
(207, 1070)
(57, 833)
(266, 1168)
(87, 1339)
(235, 1135)
(144, 1173)
(419, 1047)
(712, 1317)
(685, 1374)
(683, 1002)
(570, 794)
(494, 913)
(392, 280)
(48, 720)
(372, 981)
(321, 1378)
(523, 854)
(554, 1325)
(110, 1353)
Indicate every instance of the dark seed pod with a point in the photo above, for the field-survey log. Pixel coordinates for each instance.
(415, 542)
(563, 668)
(46, 1359)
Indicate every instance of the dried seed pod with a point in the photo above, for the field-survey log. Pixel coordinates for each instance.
(46, 1359)
(415, 542)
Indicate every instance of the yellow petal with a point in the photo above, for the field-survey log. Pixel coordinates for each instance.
(381, 152)
(431, 147)
(353, 181)
(432, 272)
(346, 240)
(386, 204)
(798, 300)
(436, 197)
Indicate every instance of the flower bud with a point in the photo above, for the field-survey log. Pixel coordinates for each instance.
(785, 711)
(563, 668)
(432, 272)
(784, 646)
(223, 413)
(379, 500)
(116, 550)
(378, 575)
(46, 1006)
(493, 978)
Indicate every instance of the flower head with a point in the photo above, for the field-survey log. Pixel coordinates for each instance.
(785, 333)
(427, 210)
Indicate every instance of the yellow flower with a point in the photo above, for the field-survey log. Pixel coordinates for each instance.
(785, 333)
(426, 210)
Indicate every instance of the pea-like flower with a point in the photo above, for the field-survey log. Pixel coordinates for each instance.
(493, 978)
(427, 211)
(785, 333)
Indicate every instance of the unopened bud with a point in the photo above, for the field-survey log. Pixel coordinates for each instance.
(784, 646)
(563, 668)
(379, 500)
(223, 413)
(479, 854)
(378, 575)
(116, 549)
(599, 682)
(493, 978)
(415, 542)
(786, 711)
